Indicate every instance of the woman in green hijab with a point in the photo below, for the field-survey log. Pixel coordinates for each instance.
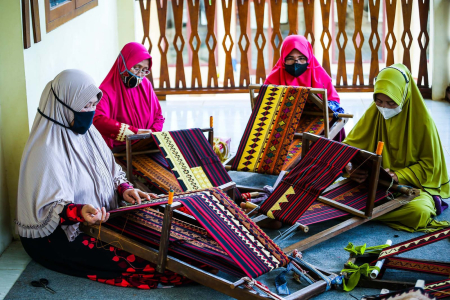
(412, 153)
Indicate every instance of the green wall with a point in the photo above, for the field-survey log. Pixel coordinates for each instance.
(13, 113)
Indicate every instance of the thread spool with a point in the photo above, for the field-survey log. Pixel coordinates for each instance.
(170, 201)
(379, 264)
(248, 205)
(211, 121)
(380, 148)
(248, 196)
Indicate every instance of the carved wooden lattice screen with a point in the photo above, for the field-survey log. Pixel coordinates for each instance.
(247, 23)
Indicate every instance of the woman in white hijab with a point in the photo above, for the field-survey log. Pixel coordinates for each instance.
(68, 175)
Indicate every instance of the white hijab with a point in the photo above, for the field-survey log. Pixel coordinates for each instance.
(59, 166)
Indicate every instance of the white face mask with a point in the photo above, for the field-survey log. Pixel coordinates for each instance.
(389, 112)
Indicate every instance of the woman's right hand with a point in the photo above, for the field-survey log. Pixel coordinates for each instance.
(144, 131)
(358, 175)
(94, 215)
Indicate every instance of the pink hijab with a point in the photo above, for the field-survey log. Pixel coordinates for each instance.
(139, 106)
(315, 76)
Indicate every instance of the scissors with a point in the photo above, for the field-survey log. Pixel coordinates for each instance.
(42, 283)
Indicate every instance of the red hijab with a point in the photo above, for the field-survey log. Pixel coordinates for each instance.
(315, 76)
(139, 106)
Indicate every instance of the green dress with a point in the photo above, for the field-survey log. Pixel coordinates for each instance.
(412, 149)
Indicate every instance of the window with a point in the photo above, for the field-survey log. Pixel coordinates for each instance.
(58, 12)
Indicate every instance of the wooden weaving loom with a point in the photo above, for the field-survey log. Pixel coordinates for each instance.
(313, 112)
(178, 160)
(335, 200)
(236, 245)
(389, 259)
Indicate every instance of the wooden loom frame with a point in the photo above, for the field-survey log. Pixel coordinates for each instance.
(164, 261)
(328, 132)
(358, 217)
(129, 153)
(227, 187)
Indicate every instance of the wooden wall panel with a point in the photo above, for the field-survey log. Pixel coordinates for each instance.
(241, 9)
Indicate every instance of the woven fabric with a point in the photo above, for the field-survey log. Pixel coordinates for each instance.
(352, 194)
(322, 165)
(439, 289)
(160, 177)
(229, 240)
(270, 129)
(402, 263)
(415, 243)
(191, 159)
(310, 124)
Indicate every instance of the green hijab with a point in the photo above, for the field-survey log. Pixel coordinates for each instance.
(412, 148)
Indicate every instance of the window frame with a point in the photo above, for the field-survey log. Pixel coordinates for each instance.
(65, 12)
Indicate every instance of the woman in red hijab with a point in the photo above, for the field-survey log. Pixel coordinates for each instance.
(129, 104)
(298, 66)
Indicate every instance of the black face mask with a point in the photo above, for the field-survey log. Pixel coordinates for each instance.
(131, 81)
(296, 69)
(82, 120)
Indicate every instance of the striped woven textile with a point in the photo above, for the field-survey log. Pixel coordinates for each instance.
(439, 289)
(154, 170)
(228, 240)
(414, 243)
(418, 265)
(270, 129)
(310, 124)
(351, 193)
(322, 165)
(192, 160)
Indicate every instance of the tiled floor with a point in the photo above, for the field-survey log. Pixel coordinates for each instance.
(12, 262)
(231, 112)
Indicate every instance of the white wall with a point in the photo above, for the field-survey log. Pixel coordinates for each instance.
(439, 48)
(89, 42)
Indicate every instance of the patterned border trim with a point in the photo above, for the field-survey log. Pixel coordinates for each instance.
(415, 243)
(123, 132)
(261, 128)
(201, 177)
(176, 161)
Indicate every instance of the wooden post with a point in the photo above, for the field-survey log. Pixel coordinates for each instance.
(211, 133)
(35, 21)
(373, 183)
(26, 24)
(165, 236)
(326, 122)
(305, 145)
(129, 161)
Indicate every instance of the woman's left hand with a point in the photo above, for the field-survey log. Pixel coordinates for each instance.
(134, 195)
(393, 175)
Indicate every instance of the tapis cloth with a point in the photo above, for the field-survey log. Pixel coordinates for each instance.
(351, 193)
(322, 165)
(154, 173)
(270, 129)
(192, 160)
(229, 239)
(417, 265)
(439, 289)
(414, 243)
(186, 162)
(310, 124)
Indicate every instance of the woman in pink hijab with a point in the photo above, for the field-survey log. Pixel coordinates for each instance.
(129, 104)
(298, 66)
